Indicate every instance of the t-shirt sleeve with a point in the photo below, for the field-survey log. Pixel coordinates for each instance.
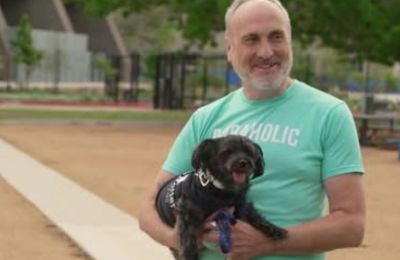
(179, 157)
(341, 148)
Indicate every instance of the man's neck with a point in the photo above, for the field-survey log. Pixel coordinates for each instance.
(258, 94)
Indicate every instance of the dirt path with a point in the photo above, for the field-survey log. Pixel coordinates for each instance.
(119, 162)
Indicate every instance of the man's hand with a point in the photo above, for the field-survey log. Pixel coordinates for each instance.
(174, 238)
(210, 232)
(248, 242)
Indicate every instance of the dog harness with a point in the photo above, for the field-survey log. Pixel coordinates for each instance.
(167, 197)
(205, 178)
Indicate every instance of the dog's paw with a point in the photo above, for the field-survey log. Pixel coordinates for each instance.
(278, 233)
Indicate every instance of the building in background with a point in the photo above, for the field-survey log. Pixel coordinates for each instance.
(69, 39)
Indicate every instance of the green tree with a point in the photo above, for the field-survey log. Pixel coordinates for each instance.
(392, 83)
(369, 29)
(198, 20)
(149, 30)
(105, 66)
(24, 49)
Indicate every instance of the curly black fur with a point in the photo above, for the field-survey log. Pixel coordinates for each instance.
(185, 201)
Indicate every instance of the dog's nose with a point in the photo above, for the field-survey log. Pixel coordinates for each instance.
(243, 163)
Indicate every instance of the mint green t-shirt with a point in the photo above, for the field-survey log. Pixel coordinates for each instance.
(306, 135)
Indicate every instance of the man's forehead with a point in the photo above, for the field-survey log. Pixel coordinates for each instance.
(258, 7)
(258, 12)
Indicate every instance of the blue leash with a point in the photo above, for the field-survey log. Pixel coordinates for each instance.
(224, 220)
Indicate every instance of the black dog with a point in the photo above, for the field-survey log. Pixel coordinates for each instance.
(222, 169)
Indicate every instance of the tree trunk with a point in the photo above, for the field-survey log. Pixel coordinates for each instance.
(27, 76)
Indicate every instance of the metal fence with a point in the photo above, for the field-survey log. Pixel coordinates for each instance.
(187, 80)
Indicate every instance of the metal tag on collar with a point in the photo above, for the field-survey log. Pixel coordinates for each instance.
(204, 180)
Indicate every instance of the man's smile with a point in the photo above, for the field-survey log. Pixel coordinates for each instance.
(271, 67)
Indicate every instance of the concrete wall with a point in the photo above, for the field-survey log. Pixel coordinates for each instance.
(5, 51)
(102, 35)
(66, 57)
(43, 14)
(61, 32)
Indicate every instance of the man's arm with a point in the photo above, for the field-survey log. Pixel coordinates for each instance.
(150, 222)
(342, 227)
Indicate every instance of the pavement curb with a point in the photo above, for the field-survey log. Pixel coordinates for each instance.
(97, 227)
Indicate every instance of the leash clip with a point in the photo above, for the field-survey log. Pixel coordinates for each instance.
(204, 180)
(224, 220)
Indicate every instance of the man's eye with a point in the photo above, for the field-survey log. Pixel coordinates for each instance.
(249, 40)
(277, 37)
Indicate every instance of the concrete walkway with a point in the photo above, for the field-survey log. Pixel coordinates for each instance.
(100, 229)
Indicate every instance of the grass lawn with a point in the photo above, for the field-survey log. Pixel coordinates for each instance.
(101, 115)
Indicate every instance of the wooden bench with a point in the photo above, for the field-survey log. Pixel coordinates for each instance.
(370, 125)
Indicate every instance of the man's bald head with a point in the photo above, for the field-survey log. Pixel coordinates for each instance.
(237, 3)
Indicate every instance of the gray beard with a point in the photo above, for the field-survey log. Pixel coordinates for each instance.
(267, 87)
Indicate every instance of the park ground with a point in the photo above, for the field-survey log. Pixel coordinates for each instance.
(119, 162)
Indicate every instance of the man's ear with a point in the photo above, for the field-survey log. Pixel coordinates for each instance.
(228, 47)
(203, 153)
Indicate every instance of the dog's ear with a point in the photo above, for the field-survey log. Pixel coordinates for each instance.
(203, 153)
(259, 169)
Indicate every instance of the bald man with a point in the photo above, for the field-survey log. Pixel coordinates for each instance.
(308, 137)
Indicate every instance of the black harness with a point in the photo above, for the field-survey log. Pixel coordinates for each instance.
(166, 199)
(191, 185)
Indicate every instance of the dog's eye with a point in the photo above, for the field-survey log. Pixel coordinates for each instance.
(225, 152)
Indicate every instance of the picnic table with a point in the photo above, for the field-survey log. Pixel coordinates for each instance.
(369, 125)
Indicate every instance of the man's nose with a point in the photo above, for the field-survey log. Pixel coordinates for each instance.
(265, 49)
